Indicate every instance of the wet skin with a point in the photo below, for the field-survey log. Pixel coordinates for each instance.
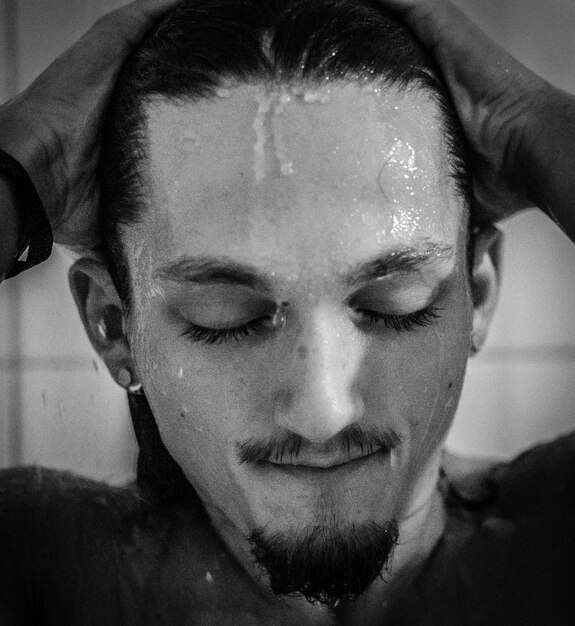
(342, 207)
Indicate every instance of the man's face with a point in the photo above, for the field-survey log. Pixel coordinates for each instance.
(334, 209)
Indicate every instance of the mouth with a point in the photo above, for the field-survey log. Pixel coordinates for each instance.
(352, 449)
(317, 467)
(325, 462)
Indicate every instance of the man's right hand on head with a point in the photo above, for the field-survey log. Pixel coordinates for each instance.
(520, 128)
(53, 128)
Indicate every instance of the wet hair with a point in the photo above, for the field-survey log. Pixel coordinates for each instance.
(203, 44)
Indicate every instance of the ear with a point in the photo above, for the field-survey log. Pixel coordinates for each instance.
(102, 314)
(485, 279)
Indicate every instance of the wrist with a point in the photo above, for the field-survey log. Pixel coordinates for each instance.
(28, 225)
(12, 234)
(552, 158)
(19, 140)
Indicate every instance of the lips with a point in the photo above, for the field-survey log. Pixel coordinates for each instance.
(326, 461)
(326, 474)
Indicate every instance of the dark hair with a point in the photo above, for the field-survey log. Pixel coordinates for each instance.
(203, 43)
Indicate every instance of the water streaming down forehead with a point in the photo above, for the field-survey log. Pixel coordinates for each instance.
(412, 169)
(271, 104)
(267, 127)
(398, 156)
(343, 150)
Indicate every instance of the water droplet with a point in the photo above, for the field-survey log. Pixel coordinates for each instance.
(287, 168)
(313, 97)
(264, 102)
(279, 318)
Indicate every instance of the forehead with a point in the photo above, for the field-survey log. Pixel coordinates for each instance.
(292, 178)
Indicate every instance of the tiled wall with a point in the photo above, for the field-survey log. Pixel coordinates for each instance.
(521, 388)
(59, 407)
(74, 415)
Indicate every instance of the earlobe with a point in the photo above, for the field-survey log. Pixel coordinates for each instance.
(102, 315)
(485, 276)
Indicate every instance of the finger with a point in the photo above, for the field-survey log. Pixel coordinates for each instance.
(426, 17)
(121, 30)
(154, 9)
(96, 59)
(459, 47)
(132, 21)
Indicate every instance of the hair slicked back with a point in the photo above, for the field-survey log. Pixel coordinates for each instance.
(202, 44)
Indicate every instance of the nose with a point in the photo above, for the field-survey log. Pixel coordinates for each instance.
(320, 396)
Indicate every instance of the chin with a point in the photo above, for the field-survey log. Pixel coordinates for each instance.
(327, 561)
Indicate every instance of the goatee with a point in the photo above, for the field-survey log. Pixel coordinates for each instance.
(325, 563)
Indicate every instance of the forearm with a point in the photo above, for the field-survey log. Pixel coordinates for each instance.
(553, 166)
(10, 229)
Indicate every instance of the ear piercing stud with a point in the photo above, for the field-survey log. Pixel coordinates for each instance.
(474, 344)
(124, 379)
(279, 318)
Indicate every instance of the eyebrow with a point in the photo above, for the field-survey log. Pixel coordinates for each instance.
(209, 270)
(206, 270)
(401, 260)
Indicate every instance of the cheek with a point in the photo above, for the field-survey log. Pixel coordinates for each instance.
(202, 403)
(415, 379)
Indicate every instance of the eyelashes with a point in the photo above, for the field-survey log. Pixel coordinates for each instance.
(409, 321)
(223, 335)
(399, 323)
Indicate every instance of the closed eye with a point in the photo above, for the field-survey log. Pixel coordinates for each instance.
(212, 336)
(399, 323)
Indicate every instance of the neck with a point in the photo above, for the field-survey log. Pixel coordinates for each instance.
(419, 533)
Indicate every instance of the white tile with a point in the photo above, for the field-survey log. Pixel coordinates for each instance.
(9, 401)
(50, 326)
(9, 318)
(77, 420)
(539, 34)
(508, 406)
(537, 304)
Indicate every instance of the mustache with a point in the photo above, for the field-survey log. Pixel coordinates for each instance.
(286, 446)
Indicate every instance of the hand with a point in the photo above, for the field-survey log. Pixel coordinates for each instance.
(53, 128)
(520, 129)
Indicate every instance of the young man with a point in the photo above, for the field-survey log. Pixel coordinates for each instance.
(290, 291)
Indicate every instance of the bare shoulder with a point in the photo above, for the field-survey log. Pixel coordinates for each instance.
(539, 481)
(43, 508)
